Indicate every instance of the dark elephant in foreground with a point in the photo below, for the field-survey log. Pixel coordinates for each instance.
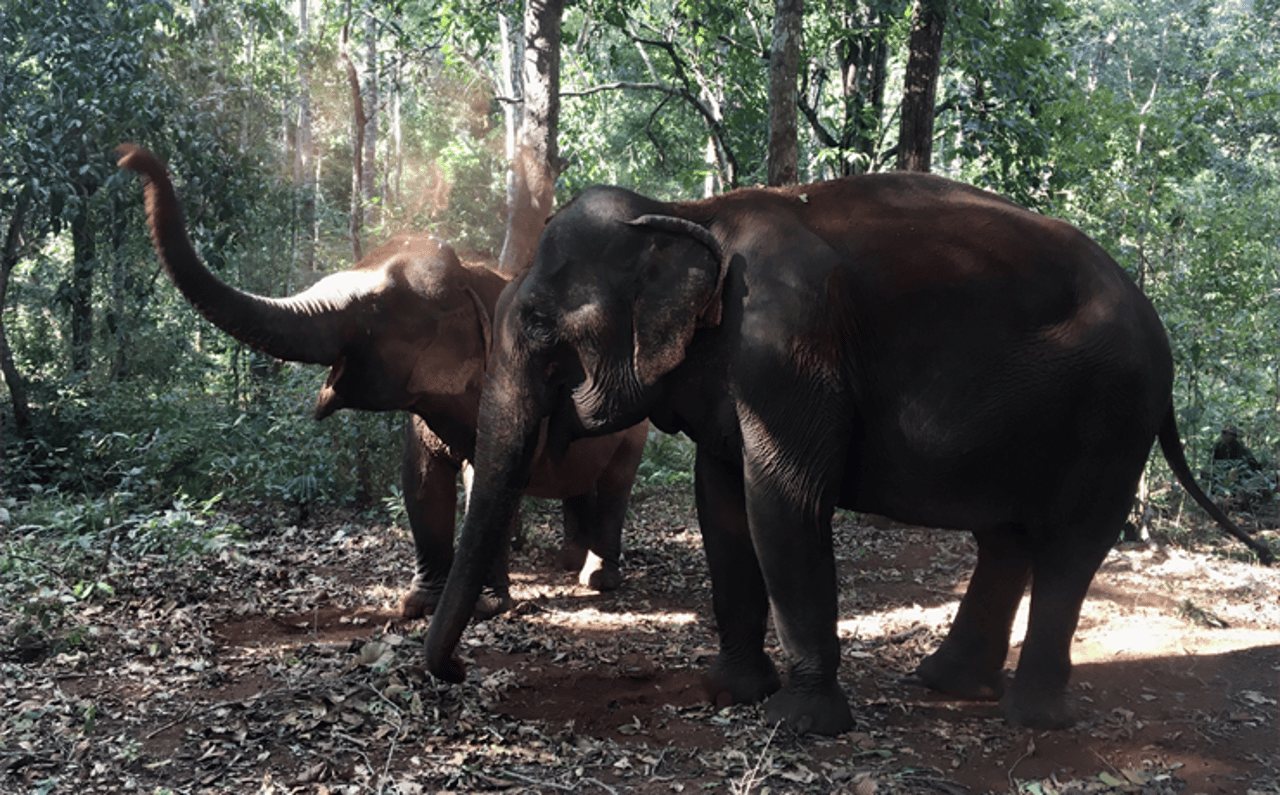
(408, 328)
(898, 344)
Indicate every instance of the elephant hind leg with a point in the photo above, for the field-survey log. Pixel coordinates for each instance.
(970, 662)
(579, 519)
(593, 541)
(1061, 575)
(595, 545)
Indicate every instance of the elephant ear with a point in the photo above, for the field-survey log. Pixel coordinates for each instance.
(679, 292)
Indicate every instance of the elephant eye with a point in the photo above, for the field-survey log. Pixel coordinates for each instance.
(540, 328)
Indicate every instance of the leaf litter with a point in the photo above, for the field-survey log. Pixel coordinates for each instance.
(281, 665)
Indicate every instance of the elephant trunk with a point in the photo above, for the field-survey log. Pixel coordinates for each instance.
(505, 447)
(299, 329)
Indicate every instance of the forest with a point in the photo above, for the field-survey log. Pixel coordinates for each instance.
(302, 134)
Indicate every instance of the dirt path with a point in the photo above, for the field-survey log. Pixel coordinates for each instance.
(284, 668)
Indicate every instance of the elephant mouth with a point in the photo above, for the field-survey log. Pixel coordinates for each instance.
(599, 402)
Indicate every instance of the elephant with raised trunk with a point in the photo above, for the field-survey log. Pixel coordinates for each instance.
(408, 328)
(898, 344)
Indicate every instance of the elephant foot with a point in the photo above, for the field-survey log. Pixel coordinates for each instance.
(573, 556)
(421, 600)
(741, 681)
(1037, 709)
(824, 711)
(955, 675)
(491, 603)
(600, 575)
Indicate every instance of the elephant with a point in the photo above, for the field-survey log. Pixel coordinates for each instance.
(408, 328)
(898, 344)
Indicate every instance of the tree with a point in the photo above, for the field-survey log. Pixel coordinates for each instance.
(364, 126)
(843, 84)
(915, 139)
(304, 153)
(8, 259)
(537, 159)
(784, 67)
(75, 70)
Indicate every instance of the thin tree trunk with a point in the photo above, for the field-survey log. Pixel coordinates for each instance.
(537, 161)
(118, 322)
(8, 261)
(304, 170)
(397, 133)
(784, 69)
(84, 261)
(915, 140)
(369, 171)
(359, 122)
(508, 80)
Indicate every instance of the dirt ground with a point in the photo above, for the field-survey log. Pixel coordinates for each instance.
(283, 667)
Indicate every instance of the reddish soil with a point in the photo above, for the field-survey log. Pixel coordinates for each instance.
(286, 668)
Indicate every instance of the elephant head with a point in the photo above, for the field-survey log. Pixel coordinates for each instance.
(583, 350)
(375, 326)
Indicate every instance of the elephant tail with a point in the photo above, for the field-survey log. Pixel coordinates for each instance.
(1171, 445)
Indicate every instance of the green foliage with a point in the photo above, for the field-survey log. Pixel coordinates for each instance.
(128, 440)
(655, 140)
(1153, 128)
(62, 550)
(668, 461)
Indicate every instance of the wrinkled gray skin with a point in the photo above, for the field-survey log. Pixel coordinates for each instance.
(407, 329)
(898, 344)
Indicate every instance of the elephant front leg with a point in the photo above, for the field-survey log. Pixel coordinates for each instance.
(429, 483)
(793, 544)
(495, 597)
(970, 662)
(742, 673)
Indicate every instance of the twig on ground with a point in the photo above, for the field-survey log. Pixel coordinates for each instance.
(749, 778)
(1031, 751)
(553, 785)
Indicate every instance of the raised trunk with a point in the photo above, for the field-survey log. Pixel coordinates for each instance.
(505, 447)
(299, 329)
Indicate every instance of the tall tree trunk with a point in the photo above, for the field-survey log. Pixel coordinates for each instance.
(508, 81)
(304, 173)
(784, 70)
(118, 322)
(537, 161)
(369, 95)
(8, 260)
(915, 139)
(359, 122)
(863, 60)
(397, 134)
(84, 261)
